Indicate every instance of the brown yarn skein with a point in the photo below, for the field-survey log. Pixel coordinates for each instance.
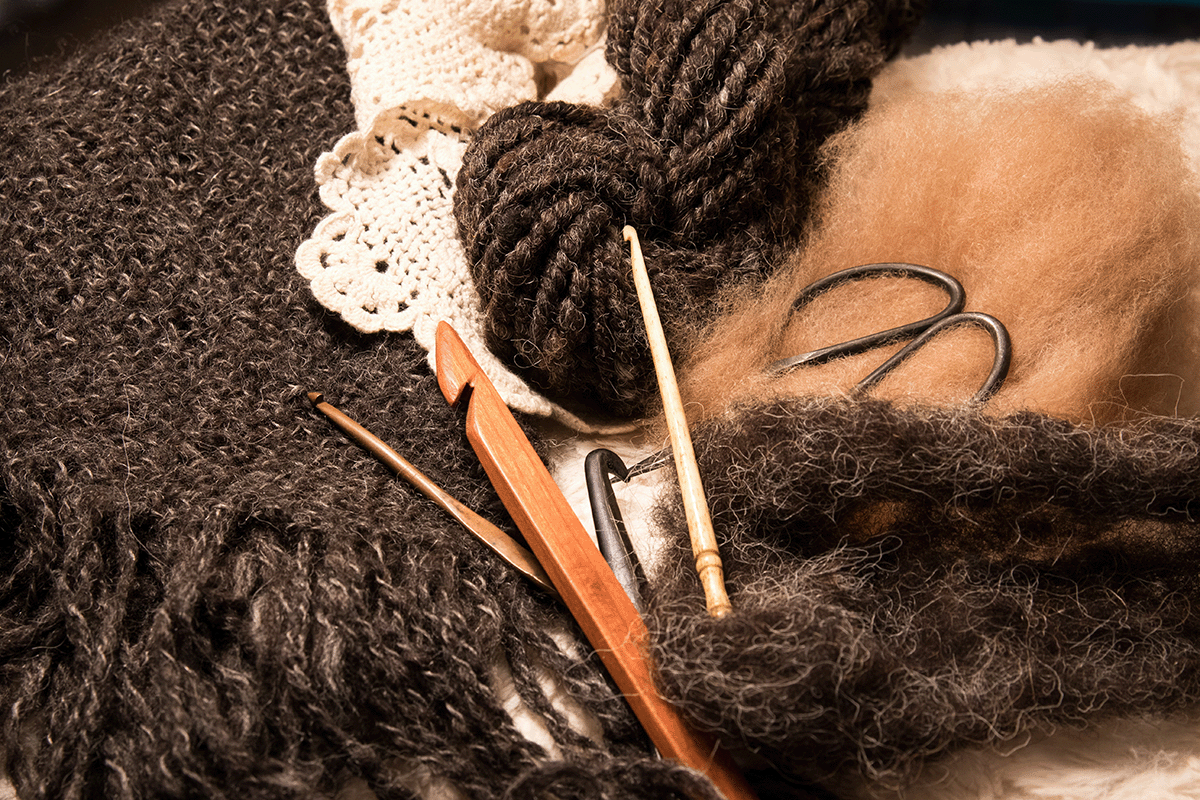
(709, 154)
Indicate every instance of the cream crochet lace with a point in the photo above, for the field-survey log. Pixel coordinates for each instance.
(424, 74)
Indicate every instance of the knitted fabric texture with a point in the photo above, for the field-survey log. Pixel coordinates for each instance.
(709, 153)
(906, 582)
(205, 590)
(424, 74)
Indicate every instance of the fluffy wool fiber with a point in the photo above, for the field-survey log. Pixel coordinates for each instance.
(906, 582)
(1064, 211)
(205, 590)
(710, 153)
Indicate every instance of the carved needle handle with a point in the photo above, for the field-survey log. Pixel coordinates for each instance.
(500, 542)
(695, 504)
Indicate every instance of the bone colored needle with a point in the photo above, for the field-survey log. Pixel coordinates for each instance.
(500, 542)
(695, 504)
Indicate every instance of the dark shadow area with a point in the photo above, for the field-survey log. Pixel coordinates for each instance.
(1108, 24)
(32, 29)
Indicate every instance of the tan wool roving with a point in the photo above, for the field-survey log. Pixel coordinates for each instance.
(1065, 211)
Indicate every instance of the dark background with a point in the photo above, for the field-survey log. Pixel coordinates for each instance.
(33, 28)
(1109, 24)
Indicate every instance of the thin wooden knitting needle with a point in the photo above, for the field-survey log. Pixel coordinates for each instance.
(695, 504)
(500, 542)
(587, 584)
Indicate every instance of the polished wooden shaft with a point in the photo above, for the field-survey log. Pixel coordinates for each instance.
(500, 542)
(588, 587)
(695, 504)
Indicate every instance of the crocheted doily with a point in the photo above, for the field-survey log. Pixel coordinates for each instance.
(424, 74)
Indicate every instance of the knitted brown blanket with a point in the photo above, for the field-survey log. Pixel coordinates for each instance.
(205, 590)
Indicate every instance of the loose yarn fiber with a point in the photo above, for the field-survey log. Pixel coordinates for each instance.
(205, 590)
(710, 153)
(906, 582)
(1065, 211)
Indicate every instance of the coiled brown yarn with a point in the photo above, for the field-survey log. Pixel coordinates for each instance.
(710, 153)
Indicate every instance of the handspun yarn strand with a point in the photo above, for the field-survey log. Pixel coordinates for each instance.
(710, 153)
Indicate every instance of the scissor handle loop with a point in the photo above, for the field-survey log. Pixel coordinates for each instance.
(1000, 364)
(954, 291)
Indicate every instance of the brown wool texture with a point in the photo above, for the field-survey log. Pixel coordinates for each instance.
(910, 581)
(1064, 211)
(710, 153)
(205, 589)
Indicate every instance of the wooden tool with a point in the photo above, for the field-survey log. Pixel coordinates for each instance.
(500, 542)
(585, 582)
(695, 504)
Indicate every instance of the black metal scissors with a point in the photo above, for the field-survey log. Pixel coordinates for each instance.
(601, 465)
(920, 331)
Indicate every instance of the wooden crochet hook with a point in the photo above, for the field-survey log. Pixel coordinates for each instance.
(500, 542)
(695, 504)
(584, 580)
